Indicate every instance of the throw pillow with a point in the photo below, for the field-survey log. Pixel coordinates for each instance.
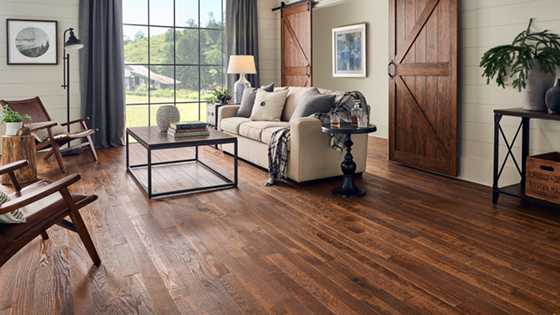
(269, 105)
(248, 100)
(13, 217)
(312, 103)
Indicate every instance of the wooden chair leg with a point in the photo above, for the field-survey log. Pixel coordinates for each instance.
(56, 151)
(81, 228)
(45, 235)
(84, 235)
(58, 156)
(92, 148)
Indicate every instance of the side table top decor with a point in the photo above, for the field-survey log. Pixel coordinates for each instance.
(348, 166)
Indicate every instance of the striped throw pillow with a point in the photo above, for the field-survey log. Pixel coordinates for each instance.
(13, 217)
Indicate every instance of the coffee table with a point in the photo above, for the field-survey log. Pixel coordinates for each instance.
(153, 140)
(348, 166)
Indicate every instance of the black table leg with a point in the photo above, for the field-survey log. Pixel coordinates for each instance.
(495, 185)
(525, 147)
(348, 166)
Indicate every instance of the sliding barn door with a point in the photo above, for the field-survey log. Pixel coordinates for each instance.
(296, 44)
(423, 84)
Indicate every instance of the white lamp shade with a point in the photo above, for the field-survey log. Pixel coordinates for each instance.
(241, 64)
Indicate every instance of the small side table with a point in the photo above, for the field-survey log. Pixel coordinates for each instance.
(15, 148)
(348, 166)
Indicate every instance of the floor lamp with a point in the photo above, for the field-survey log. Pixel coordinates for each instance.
(70, 43)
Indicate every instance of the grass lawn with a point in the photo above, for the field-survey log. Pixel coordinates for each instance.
(137, 115)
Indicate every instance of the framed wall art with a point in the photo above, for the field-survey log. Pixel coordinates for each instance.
(349, 51)
(32, 42)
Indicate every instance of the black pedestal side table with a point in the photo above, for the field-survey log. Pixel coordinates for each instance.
(348, 166)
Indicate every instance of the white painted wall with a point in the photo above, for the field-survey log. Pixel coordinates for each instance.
(485, 23)
(17, 82)
(376, 86)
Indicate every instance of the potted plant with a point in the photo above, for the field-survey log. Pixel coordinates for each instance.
(530, 62)
(220, 95)
(12, 120)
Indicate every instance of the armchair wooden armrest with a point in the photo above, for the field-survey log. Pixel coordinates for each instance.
(41, 125)
(76, 121)
(10, 168)
(60, 185)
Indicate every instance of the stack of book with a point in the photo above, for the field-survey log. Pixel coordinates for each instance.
(188, 129)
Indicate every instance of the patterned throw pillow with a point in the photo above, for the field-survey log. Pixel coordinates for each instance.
(248, 100)
(13, 217)
(269, 105)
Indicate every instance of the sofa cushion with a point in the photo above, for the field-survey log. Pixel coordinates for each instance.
(248, 99)
(254, 129)
(294, 95)
(232, 124)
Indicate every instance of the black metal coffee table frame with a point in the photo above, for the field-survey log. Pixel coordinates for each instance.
(195, 142)
(348, 188)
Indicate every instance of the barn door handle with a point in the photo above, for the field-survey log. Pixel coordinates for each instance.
(392, 69)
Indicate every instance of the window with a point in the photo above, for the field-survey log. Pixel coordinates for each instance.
(174, 54)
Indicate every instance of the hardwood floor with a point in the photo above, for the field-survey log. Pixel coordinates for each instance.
(417, 243)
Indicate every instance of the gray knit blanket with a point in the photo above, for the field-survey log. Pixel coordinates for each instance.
(279, 146)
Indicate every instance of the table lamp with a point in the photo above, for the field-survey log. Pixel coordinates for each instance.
(242, 65)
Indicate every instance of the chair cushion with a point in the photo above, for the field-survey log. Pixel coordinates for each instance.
(248, 100)
(266, 135)
(12, 217)
(294, 95)
(42, 134)
(254, 129)
(269, 105)
(232, 124)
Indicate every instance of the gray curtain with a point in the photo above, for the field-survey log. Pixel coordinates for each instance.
(242, 34)
(102, 69)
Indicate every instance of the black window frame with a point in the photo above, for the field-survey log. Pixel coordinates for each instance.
(199, 65)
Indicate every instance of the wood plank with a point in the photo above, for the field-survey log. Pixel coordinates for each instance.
(409, 247)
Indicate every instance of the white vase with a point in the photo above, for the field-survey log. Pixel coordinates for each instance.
(166, 115)
(12, 128)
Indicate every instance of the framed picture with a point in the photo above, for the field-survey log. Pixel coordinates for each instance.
(32, 42)
(349, 51)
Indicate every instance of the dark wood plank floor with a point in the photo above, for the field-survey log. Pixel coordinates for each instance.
(417, 243)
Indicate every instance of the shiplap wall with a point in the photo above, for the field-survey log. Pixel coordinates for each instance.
(18, 82)
(269, 42)
(485, 24)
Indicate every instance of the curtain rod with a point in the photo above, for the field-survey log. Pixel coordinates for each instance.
(283, 5)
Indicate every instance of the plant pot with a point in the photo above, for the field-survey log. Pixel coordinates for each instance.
(12, 128)
(553, 99)
(166, 115)
(538, 83)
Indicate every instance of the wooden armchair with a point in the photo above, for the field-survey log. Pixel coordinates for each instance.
(54, 138)
(13, 237)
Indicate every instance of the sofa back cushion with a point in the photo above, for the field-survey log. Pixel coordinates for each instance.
(294, 95)
(313, 102)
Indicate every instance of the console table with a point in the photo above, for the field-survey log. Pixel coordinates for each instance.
(517, 190)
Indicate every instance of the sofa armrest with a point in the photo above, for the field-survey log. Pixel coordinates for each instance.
(311, 156)
(227, 111)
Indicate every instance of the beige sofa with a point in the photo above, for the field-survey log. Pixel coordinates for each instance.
(311, 156)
